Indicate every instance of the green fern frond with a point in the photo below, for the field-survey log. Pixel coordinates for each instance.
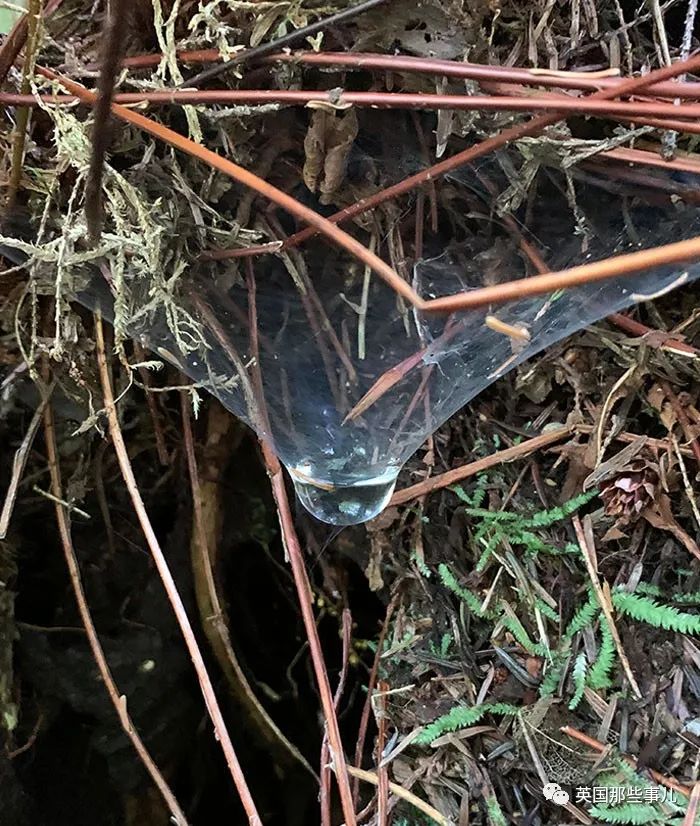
(691, 598)
(546, 519)
(583, 617)
(599, 673)
(629, 813)
(461, 717)
(494, 812)
(579, 677)
(648, 610)
(546, 610)
(494, 516)
(489, 548)
(518, 630)
(476, 500)
(532, 543)
(446, 644)
(419, 562)
(461, 494)
(550, 681)
(449, 580)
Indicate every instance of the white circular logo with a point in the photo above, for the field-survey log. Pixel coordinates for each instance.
(555, 793)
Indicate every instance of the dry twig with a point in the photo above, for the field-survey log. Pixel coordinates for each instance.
(119, 701)
(301, 580)
(161, 564)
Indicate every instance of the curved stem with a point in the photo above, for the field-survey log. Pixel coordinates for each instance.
(161, 564)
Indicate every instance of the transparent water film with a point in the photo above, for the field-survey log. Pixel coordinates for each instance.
(346, 380)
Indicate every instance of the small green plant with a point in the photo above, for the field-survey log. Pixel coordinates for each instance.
(628, 813)
(443, 649)
(449, 580)
(494, 812)
(517, 528)
(646, 609)
(579, 676)
(599, 673)
(509, 621)
(583, 617)
(461, 717)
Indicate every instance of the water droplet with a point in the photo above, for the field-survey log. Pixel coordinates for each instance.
(345, 504)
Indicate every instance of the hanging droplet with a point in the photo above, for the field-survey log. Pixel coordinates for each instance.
(347, 504)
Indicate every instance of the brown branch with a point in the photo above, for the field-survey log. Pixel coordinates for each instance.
(14, 42)
(532, 127)
(324, 796)
(367, 708)
(591, 742)
(301, 580)
(206, 507)
(632, 263)
(19, 137)
(119, 701)
(681, 252)
(451, 477)
(404, 794)
(161, 564)
(636, 328)
(583, 81)
(630, 110)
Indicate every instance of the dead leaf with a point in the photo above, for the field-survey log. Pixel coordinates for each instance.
(327, 145)
(660, 516)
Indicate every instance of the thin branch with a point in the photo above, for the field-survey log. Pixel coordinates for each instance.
(119, 701)
(161, 564)
(395, 63)
(659, 778)
(249, 55)
(14, 42)
(19, 138)
(532, 127)
(444, 480)
(585, 541)
(18, 465)
(203, 547)
(301, 580)
(404, 794)
(632, 263)
(324, 796)
(371, 683)
(424, 101)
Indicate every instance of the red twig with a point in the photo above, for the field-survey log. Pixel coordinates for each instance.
(119, 701)
(683, 420)
(485, 147)
(632, 263)
(632, 110)
(14, 42)
(443, 480)
(367, 708)
(382, 771)
(583, 81)
(591, 742)
(301, 580)
(325, 797)
(636, 328)
(161, 564)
